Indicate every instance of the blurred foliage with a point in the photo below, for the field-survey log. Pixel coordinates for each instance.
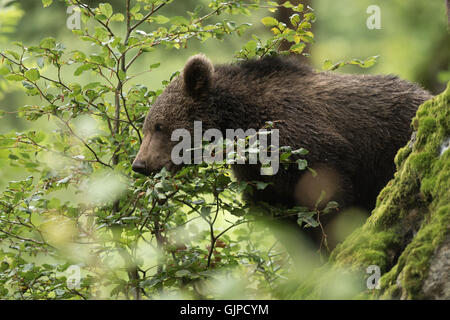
(10, 15)
(413, 41)
(82, 213)
(70, 205)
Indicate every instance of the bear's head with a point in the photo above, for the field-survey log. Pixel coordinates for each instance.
(186, 99)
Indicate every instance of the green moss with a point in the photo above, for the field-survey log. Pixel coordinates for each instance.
(426, 126)
(421, 161)
(411, 219)
(422, 113)
(439, 177)
(413, 264)
(401, 156)
(443, 122)
(366, 247)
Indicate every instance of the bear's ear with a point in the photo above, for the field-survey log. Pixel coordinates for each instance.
(198, 75)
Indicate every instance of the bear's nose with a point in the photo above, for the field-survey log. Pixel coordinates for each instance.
(139, 167)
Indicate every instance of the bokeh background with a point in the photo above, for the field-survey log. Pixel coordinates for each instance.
(413, 43)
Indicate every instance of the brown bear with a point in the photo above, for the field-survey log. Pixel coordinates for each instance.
(352, 125)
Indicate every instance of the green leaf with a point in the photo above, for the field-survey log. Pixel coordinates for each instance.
(302, 164)
(59, 292)
(135, 9)
(101, 17)
(161, 19)
(369, 62)
(97, 59)
(285, 156)
(327, 65)
(132, 41)
(295, 19)
(251, 46)
(110, 62)
(310, 222)
(331, 206)
(14, 77)
(287, 4)
(4, 70)
(101, 33)
(79, 56)
(309, 16)
(205, 211)
(40, 136)
(269, 21)
(261, 185)
(179, 20)
(106, 9)
(182, 273)
(32, 74)
(47, 3)
(14, 54)
(91, 85)
(301, 151)
(320, 199)
(118, 17)
(48, 43)
(122, 75)
(83, 68)
(298, 48)
(298, 8)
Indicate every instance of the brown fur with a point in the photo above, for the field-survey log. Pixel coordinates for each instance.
(352, 125)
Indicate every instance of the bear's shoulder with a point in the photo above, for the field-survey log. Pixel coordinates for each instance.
(266, 66)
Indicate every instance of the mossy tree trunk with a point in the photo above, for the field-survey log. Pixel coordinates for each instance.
(408, 234)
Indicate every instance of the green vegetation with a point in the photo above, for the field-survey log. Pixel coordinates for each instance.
(71, 209)
(81, 210)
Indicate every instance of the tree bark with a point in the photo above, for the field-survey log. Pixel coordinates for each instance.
(448, 11)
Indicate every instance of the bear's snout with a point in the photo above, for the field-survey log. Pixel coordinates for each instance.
(139, 167)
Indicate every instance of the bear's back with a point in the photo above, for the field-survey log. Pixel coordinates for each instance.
(353, 123)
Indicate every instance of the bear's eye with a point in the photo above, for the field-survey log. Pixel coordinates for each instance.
(158, 127)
